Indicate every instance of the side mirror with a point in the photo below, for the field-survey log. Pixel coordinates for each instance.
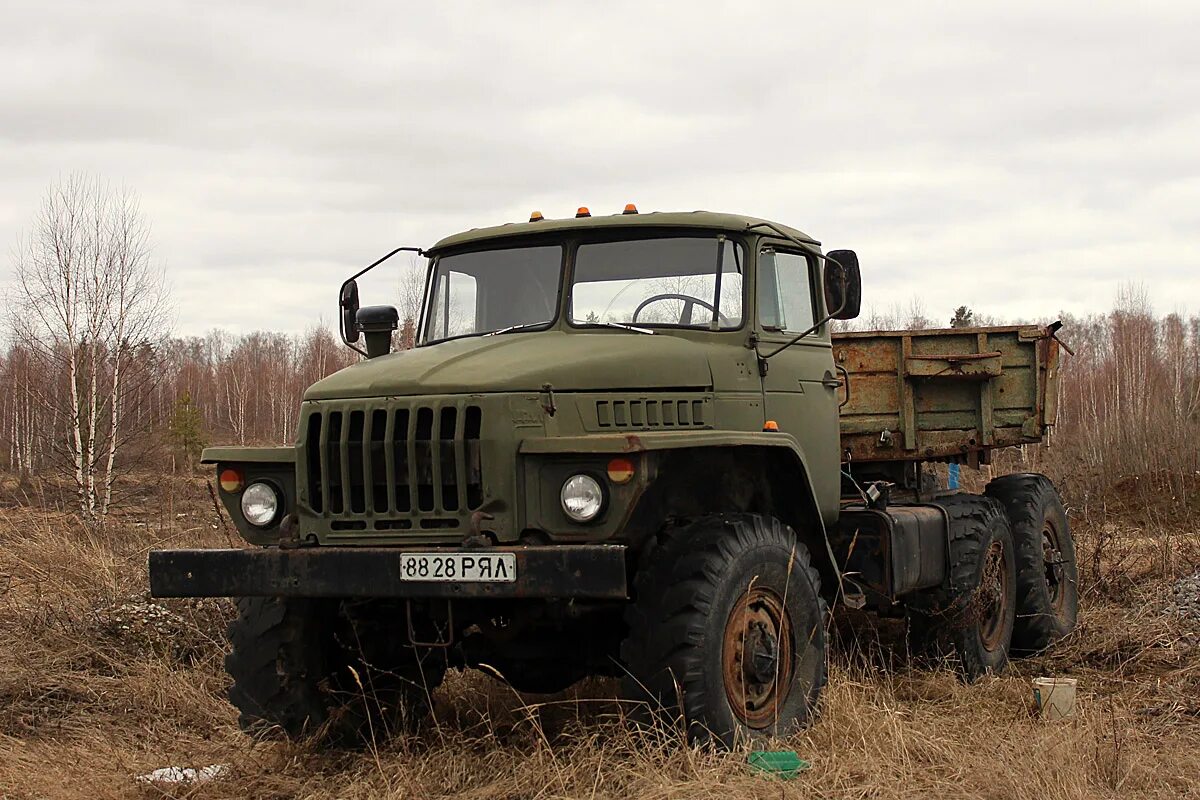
(843, 284)
(348, 304)
(377, 324)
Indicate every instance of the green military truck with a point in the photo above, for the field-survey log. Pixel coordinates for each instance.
(632, 446)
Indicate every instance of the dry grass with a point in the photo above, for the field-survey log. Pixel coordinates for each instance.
(95, 689)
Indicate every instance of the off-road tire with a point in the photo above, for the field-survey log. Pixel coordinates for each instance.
(1047, 575)
(964, 617)
(694, 581)
(305, 666)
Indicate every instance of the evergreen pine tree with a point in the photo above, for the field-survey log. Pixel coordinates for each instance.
(963, 318)
(186, 430)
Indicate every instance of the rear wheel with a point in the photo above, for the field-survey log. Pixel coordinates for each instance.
(974, 615)
(1047, 578)
(727, 630)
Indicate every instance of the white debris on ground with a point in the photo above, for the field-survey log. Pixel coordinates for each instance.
(140, 619)
(1186, 602)
(185, 774)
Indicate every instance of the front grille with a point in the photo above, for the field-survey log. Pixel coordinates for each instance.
(400, 461)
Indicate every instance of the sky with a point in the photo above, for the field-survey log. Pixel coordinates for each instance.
(1020, 158)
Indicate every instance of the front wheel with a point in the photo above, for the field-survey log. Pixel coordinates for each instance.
(727, 630)
(301, 666)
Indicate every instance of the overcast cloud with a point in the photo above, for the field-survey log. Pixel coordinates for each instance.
(1022, 159)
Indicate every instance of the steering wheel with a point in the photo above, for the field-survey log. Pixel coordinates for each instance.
(688, 303)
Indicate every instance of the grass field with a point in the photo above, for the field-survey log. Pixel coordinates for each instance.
(98, 685)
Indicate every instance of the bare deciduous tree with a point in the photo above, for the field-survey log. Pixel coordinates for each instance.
(411, 292)
(88, 306)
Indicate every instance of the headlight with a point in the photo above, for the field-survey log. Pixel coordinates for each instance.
(582, 498)
(260, 504)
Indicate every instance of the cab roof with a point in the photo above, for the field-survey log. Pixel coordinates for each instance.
(735, 223)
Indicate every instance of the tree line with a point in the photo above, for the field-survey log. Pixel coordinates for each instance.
(1129, 396)
(218, 388)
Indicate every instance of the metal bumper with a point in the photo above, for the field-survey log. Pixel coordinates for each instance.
(593, 571)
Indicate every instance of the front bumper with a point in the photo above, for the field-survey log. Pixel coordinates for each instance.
(587, 571)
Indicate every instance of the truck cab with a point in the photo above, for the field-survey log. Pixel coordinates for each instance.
(557, 345)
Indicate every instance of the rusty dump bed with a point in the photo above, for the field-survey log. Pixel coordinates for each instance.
(948, 394)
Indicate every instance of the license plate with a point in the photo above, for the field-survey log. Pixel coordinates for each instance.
(459, 567)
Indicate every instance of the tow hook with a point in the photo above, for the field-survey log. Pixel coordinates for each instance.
(415, 640)
(477, 537)
(289, 532)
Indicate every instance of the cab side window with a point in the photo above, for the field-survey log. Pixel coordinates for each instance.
(785, 297)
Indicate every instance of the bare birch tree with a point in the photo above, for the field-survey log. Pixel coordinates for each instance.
(89, 305)
(410, 294)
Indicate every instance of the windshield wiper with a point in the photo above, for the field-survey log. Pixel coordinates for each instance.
(520, 327)
(620, 325)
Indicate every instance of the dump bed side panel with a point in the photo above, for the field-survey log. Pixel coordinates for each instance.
(947, 394)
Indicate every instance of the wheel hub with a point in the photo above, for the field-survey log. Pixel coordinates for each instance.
(763, 650)
(993, 597)
(1053, 563)
(757, 657)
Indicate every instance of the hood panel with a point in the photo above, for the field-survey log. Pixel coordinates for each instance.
(524, 362)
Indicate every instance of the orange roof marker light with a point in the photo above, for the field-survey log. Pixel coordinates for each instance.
(536, 216)
(770, 425)
(620, 470)
(582, 212)
(630, 208)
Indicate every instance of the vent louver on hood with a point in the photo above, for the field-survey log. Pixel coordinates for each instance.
(653, 412)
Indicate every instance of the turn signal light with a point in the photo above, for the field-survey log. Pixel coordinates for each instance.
(582, 212)
(630, 208)
(536, 216)
(620, 470)
(232, 480)
(770, 425)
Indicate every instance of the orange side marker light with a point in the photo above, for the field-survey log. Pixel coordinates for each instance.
(620, 470)
(232, 480)
(582, 212)
(770, 425)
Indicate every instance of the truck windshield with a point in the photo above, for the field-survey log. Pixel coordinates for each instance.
(671, 282)
(492, 291)
(689, 282)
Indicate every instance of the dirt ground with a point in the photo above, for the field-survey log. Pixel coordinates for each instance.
(99, 684)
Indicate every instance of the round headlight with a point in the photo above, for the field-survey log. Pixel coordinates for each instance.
(260, 504)
(582, 498)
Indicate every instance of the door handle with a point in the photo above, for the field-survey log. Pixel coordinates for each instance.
(831, 382)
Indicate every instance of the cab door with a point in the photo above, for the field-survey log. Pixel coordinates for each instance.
(800, 387)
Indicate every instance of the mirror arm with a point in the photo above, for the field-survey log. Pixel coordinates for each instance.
(418, 250)
(356, 276)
